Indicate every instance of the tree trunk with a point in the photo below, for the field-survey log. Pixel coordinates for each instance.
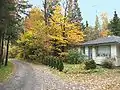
(64, 30)
(2, 48)
(6, 60)
(45, 11)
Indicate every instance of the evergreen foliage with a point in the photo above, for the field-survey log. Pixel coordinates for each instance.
(114, 25)
(90, 64)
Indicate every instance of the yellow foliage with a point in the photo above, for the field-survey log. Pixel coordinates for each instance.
(55, 36)
(35, 20)
(35, 26)
(60, 24)
(75, 36)
(104, 33)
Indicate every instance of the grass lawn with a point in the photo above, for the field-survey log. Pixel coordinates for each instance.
(97, 79)
(6, 72)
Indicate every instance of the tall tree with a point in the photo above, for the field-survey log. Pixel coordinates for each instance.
(97, 24)
(104, 30)
(104, 18)
(59, 25)
(86, 24)
(114, 25)
(74, 13)
(90, 33)
(14, 10)
(49, 7)
(45, 12)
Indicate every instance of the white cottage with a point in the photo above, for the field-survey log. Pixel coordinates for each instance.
(102, 48)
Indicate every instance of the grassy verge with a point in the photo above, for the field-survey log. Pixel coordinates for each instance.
(6, 72)
(78, 73)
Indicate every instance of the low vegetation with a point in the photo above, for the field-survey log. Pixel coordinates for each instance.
(107, 64)
(6, 72)
(90, 64)
(75, 57)
(99, 78)
(53, 62)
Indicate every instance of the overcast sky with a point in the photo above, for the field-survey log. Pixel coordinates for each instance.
(91, 8)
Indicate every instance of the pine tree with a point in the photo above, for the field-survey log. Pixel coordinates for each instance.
(97, 24)
(86, 24)
(74, 13)
(90, 33)
(114, 25)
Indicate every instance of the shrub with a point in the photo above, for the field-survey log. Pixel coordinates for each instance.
(61, 66)
(107, 64)
(14, 51)
(32, 58)
(75, 57)
(46, 60)
(53, 62)
(57, 65)
(90, 64)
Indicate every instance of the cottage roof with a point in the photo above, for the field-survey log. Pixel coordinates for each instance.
(109, 39)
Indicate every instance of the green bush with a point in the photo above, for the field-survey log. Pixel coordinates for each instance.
(53, 62)
(90, 64)
(107, 64)
(14, 51)
(46, 60)
(60, 65)
(75, 57)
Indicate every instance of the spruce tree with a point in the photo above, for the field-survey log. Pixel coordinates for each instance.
(114, 25)
(74, 13)
(61, 66)
(86, 24)
(97, 24)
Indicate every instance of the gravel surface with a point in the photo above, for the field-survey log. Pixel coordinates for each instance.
(23, 78)
(47, 81)
(37, 77)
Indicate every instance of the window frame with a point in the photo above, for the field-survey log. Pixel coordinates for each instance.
(97, 48)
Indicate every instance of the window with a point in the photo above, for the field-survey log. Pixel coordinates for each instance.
(103, 51)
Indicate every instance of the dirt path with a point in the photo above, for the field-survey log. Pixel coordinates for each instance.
(23, 78)
(47, 81)
(37, 77)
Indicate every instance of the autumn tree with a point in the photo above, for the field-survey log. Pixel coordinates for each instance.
(34, 40)
(40, 39)
(104, 30)
(49, 9)
(72, 32)
(51, 6)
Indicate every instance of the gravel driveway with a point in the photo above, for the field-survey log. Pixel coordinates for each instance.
(37, 77)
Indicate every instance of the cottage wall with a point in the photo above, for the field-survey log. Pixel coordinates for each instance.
(115, 53)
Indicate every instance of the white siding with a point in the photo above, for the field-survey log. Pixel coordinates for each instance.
(93, 53)
(99, 60)
(86, 50)
(113, 51)
(118, 56)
